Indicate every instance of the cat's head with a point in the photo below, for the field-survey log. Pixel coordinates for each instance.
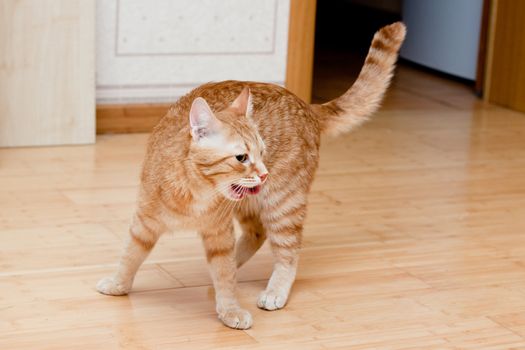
(226, 148)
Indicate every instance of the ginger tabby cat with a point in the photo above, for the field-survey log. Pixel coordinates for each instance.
(248, 151)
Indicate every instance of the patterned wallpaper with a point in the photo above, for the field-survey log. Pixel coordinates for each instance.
(156, 51)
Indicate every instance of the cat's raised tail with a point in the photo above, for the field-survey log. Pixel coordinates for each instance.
(364, 97)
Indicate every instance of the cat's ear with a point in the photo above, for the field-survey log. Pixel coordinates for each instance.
(243, 103)
(202, 120)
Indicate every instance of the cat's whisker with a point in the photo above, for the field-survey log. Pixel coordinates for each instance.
(236, 203)
(226, 210)
(219, 215)
(217, 191)
(221, 209)
(249, 182)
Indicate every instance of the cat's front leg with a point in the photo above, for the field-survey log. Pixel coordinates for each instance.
(143, 235)
(220, 253)
(284, 231)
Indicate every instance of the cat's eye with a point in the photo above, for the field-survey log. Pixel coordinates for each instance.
(242, 157)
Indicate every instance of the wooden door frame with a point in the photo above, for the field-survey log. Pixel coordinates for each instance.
(300, 59)
(505, 71)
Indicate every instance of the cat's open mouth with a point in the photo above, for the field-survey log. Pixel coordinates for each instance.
(239, 191)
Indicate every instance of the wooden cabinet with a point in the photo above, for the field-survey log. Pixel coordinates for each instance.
(47, 72)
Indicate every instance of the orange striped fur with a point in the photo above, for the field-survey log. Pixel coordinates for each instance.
(249, 151)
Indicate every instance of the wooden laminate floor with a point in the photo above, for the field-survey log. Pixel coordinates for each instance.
(415, 240)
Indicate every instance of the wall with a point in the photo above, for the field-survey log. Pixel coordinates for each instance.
(155, 51)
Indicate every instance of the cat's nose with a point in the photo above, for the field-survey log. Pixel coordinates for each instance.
(263, 177)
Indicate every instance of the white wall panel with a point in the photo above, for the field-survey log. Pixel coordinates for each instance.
(155, 51)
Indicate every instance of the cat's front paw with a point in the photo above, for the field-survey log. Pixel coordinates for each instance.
(272, 300)
(109, 286)
(236, 318)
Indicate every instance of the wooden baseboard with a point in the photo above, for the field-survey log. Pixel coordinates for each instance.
(129, 118)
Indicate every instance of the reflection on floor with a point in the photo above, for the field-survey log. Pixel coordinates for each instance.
(415, 239)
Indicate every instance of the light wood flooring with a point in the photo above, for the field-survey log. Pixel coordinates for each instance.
(415, 239)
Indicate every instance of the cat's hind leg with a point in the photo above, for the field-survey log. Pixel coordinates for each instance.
(252, 238)
(144, 233)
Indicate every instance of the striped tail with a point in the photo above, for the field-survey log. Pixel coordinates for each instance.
(364, 97)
